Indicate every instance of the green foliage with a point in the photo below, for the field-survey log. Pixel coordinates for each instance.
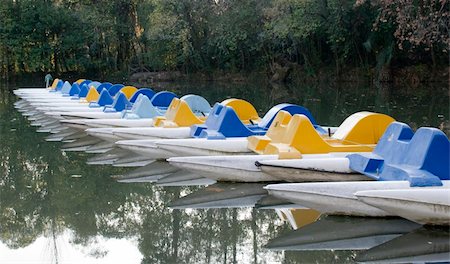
(106, 37)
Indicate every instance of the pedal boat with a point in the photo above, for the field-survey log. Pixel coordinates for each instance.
(189, 110)
(317, 157)
(403, 163)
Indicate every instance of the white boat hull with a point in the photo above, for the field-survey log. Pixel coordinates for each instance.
(239, 168)
(75, 108)
(243, 167)
(49, 100)
(336, 198)
(100, 123)
(146, 148)
(75, 104)
(312, 168)
(152, 132)
(428, 206)
(88, 115)
(204, 147)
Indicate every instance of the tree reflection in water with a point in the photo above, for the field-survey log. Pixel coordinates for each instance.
(45, 192)
(41, 193)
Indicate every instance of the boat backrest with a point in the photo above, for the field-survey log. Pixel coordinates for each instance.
(301, 137)
(395, 140)
(75, 89)
(142, 108)
(197, 104)
(363, 127)
(115, 88)
(66, 87)
(142, 91)
(92, 95)
(94, 84)
(120, 103)
(54, 83)
(103, 100)
(84, 89)
(244, 110)
(275, 133)
(178, 114)
(421, 158)
(87, 82)
(102, 86)
(128, 91)
(163, 99)
(279, 125)
(59, 86)
(290, 108)
(429, 150)
(221, 123)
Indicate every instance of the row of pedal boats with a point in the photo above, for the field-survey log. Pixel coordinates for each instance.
(371, 165)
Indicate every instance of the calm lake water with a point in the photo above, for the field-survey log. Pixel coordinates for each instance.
(56, 209)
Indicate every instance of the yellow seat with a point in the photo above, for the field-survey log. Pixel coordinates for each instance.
(244, 110)
(275, 133)
(363, 128)
(178, 114)
(54, 83)
(92, 96)
(80, 81)
(358, 133)
(128, 91)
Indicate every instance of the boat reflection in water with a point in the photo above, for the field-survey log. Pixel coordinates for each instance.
(342, 233)
(426, 244)
(328, 238)
(368, 240)
(163, 174)
(223, 195)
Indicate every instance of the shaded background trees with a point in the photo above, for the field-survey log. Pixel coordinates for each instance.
(101, 37)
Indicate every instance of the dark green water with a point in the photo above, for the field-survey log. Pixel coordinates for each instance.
(56, 209)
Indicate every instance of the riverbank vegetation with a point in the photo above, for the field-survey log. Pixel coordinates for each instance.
(103, 38)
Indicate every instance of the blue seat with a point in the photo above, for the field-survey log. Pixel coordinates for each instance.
(223, 122)
(114, 89)
(58, 87)
(144, 91)
(94, 84)
(102, 86)
(103, 99)
(421, 158)
(292, 109)
(198, 105)
(87, 82)
(163, 99)
(65, 89)
(142, 108)
(74, 90)
(84, 89)
(120, 103)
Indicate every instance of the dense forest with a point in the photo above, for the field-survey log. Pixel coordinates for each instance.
(102, 37)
